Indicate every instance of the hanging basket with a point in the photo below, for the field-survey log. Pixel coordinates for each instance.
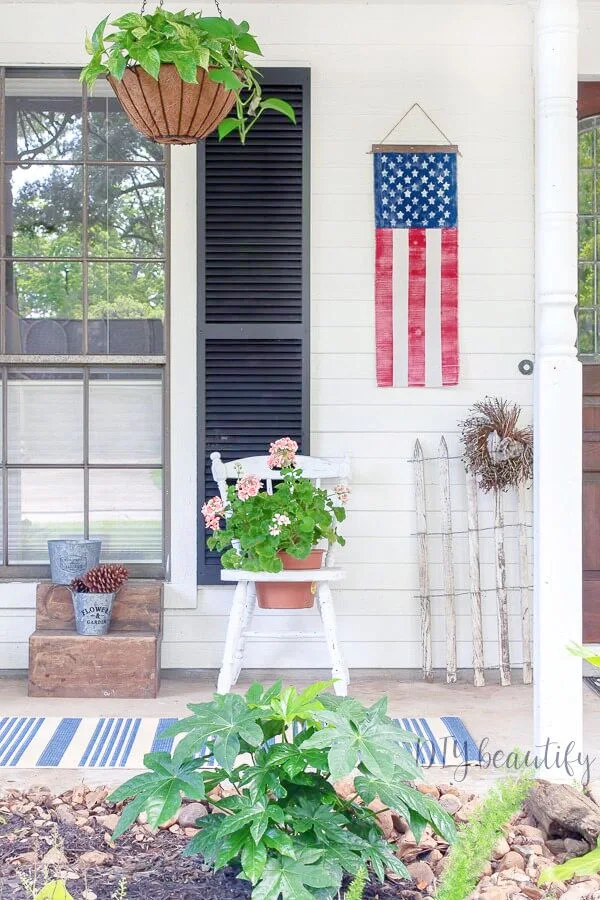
(169, 110)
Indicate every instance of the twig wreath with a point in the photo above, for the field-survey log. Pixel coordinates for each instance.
(497, 452)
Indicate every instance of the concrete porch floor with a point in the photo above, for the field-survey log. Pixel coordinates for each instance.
(500, 716)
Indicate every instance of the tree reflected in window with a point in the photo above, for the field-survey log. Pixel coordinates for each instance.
(80, 186)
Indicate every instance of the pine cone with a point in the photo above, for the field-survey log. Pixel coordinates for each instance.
(106, 578)
(78, 586)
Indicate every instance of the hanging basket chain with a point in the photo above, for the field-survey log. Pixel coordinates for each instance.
(143, 10)
(219, 10)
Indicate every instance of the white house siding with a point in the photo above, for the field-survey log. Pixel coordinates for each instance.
(470, 66)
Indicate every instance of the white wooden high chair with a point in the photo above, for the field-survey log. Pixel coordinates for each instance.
(244, 598)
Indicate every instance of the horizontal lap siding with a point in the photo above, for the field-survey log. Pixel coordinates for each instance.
(483, 100)
(470, 66)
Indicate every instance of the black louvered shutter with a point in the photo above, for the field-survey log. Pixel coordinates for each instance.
(253, 289)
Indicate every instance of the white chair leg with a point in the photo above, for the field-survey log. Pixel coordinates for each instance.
(249, 606)
(338, 666)
(232, 640)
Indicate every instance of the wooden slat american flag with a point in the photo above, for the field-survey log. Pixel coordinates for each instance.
(416, 267)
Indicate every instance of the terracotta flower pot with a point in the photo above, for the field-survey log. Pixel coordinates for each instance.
(290, 594)
(169, 110)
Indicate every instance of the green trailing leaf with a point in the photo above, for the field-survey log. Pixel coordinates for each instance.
(292, 835)
(588, 864)
(148, 58)
(248, 43)
(227, 77)
(186, 64)
(287, 109)
(227, 126)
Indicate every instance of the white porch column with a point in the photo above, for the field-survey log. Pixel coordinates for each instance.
(557, 386)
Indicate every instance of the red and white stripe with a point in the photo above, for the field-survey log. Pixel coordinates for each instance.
(416, 307)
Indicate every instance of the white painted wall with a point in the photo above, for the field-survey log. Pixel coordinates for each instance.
(470, 65)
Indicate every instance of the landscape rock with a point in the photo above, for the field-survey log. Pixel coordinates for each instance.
(54, 857)
(451, 803)
(109, 821)
(190, 813)
(93, 858)
(512, 860)
(581, 891)
(466, 811)
(422, 873)
(501, 849)
(576, 848)
(429, 789)
(65, 814)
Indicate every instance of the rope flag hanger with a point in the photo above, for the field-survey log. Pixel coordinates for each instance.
(416, 261)
(377, 148)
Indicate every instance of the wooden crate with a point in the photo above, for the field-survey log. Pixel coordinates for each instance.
(123, 663)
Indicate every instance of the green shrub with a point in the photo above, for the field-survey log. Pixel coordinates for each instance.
(292, 834)
(357, 888)
(476, 841)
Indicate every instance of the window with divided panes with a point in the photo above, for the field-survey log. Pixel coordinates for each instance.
(589, 236)
(83, 299)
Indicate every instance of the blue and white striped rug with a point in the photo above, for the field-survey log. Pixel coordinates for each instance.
(121, 743)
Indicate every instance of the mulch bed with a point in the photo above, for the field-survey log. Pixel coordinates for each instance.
(43, 837)
(32, 839)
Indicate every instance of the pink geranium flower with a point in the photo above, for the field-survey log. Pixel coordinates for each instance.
(212, 511)
(342, 492)
(282, 453)
(248, 486)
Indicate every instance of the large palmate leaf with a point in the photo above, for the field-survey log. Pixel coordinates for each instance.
(375, 741)
(324, 828)
(407, 801)
(382, 857)
(158, 793)
(290, 706)
(225, 721)
(290, 879)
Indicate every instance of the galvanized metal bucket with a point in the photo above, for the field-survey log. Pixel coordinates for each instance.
(92, 612)
(71, 559)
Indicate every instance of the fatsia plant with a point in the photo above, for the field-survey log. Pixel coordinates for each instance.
(279, 752)
(189, 41)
